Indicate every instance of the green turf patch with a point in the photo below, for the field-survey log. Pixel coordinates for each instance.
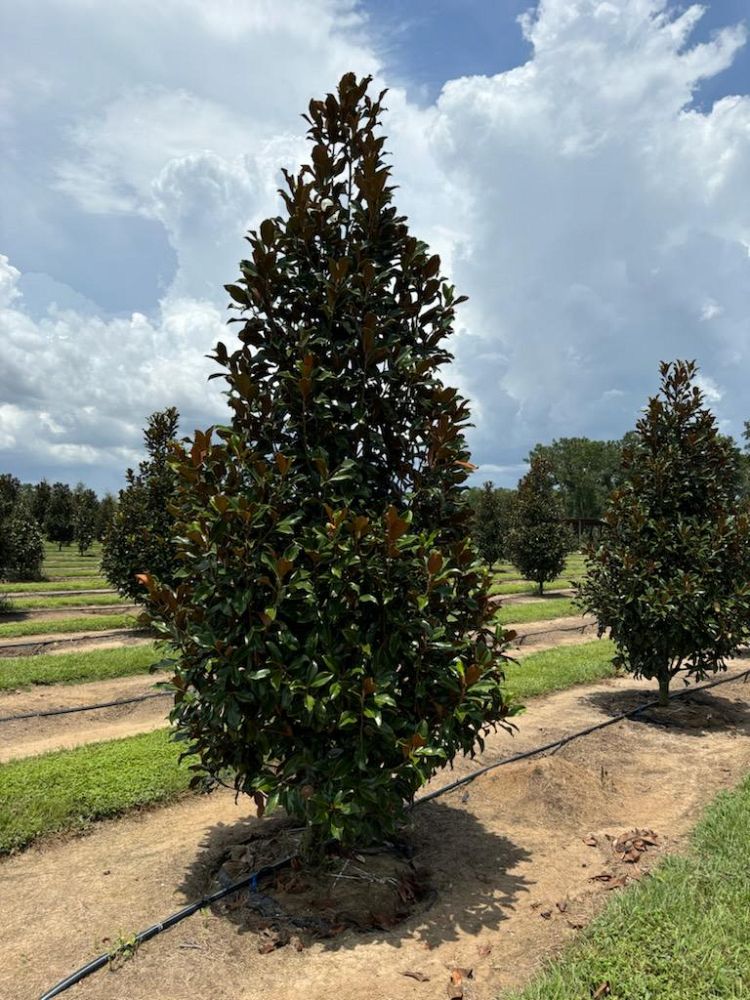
(526, 587)
(70, 601)
(80, 623)
(73, 583)
(557, 669)
(536, 611)
(66, 790)
(682, 934)
(71, 668)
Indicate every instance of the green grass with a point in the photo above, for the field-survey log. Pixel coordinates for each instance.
(682, 934)
(527, 587)
(66, 790)
(74, 583)
(536, 611)
(557, 669)
(92, 623)
(71, 668)
(71, 601)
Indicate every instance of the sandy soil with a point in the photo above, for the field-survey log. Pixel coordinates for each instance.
(543, 634)
(519, 860)
(33, 736)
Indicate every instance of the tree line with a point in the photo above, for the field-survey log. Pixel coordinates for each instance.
(31, 513)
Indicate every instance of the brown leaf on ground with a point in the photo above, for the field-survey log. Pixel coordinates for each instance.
(590, 841)
(604, 990)
(484, 950)
(562, 905)
(545, 914)
(414, 974)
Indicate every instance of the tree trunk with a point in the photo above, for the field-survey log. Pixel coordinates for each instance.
(541, 587)
(664, 679)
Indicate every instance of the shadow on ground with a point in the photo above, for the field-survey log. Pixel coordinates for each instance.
(458, 878)
(693, 713)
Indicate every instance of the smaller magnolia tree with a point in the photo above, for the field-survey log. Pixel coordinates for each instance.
(85, 517)
(23, 549)
(539, 540)
(491, 522)
(139, 538)
(59, 519)
(105, 515)
(670, 577)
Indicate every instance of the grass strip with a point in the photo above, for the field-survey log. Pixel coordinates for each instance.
(72, 583)
(682, 934)
(71, 668)
(536, 611)
(69, 601)
(81, 623)
(527, 587)
(67, 790)
(557, 669)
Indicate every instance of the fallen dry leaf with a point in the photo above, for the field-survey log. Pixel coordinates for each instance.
(545, 914)
(590, 841)
(414, 974)
(484, 950)
(602, 991)
(562, 905)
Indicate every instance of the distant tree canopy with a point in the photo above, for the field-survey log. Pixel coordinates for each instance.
(670, 577)
(106, 513)
(21, 542)
(585, 472)
(139, 537)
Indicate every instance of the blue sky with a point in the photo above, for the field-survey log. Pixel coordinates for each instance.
(583, 167)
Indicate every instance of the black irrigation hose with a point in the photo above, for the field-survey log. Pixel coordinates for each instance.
(85, 708)
(252, 880)
(556, 744)
(187, 911)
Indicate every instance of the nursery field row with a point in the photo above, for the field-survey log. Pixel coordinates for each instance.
(18, 672)
(79, 623)
(67, 601)
(66, 583)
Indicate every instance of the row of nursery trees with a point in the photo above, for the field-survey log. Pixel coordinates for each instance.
(29, 514)
(310, 559)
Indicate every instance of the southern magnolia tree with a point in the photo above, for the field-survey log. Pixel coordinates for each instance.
(59, 519)
(491, 522)
(85, 517)
(333, 626)
(539, 540)
(670, 577)
(139, 536)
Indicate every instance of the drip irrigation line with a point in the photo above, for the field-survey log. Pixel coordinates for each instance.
(251, 881)
(85, 708)
(557, 744)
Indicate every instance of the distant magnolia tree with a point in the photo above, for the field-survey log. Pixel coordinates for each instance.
(40, 501)
(25, 543)
(59, 518)
(492, 522)
(539, 540)
(586, 471)
(105, 515)
(140, 535)
(85, 517)
(670, 577)
(333, 625)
